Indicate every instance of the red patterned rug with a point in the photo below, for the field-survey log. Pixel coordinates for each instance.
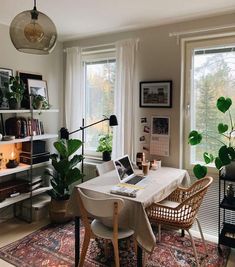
(53, 246)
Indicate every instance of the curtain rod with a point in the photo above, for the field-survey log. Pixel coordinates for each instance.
(177, 34)
(94, 46)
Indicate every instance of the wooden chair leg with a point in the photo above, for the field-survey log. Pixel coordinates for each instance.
(106, 254)
(135, 245)
(85, 245)
(159, 232)
(202, 236)
(116, 252)
(194, 248)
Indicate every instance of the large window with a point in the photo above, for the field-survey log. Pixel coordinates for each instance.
(99, 82)
(210, 73)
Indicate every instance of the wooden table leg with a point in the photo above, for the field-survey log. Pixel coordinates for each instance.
(77, 240)
(139, 256)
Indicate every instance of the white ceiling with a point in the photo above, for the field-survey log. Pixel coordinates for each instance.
(82, 18)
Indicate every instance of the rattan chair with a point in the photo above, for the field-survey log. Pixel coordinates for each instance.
(180, 209)
(102, 208)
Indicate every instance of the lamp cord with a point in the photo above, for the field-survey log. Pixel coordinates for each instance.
(35, 5)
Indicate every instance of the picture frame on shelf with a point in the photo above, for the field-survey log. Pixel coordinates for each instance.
(156, 94)
(4, 77)
(38, 87)
(24, 76)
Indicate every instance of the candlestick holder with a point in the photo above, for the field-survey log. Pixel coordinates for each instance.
(12, 163)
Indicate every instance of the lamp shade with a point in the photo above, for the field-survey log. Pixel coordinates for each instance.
(33, 32)
(113, 120)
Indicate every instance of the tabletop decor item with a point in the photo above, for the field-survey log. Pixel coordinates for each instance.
(226, 153)
(65, 173)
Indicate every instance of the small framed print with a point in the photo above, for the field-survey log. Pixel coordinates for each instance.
(4, 77)
(160, 125)
(156, 94)
(38, 87)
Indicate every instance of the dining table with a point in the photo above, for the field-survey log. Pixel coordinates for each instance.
(155, 187)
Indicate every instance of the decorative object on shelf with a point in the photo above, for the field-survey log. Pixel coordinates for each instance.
(33, 32)
(65, 173)
(24, 76)
(230, 193)
(105, 146)
(15, 93)
(226, 153)
(140, 157)
(64, 133)
(156, 94)
(5, 75)
(12, 163)
(38, 91)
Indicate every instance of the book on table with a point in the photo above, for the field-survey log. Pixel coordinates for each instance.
(125, 189)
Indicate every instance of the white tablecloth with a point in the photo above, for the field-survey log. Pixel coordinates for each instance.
(157, 186)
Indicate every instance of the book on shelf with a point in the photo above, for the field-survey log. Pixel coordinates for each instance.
(125, 189)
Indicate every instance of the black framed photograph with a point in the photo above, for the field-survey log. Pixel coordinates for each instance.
(24, 76)
(38, 87)
(160, 125)
(156, 94)
(4, 77)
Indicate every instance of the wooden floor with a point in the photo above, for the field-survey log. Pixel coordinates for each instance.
(14, 229)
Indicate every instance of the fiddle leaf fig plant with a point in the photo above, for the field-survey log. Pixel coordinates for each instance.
(226, 152)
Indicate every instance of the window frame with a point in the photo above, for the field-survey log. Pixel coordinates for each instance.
(90, 57)
(188, 45)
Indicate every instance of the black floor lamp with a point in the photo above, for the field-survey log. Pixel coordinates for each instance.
(64, 133)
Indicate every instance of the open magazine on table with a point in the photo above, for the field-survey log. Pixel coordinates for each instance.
(124, 189)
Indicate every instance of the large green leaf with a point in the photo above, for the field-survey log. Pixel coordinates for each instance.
(61, 147)
(224, 155)
(222, 128)
(231, 152)
(194, 138)
(223, 104)
(199, 171)
(73, 176)
(208, 158)
(73, 145)
(218, 163)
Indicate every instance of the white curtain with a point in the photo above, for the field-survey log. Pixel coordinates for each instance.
(73, 90)
(125, 98)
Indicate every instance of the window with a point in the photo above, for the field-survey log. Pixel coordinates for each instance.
(99, 83)
(210, 73)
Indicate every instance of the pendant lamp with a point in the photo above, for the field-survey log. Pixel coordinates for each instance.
(33, 32)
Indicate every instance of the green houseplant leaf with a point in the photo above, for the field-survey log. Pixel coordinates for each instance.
(65, 170)
(226, 152)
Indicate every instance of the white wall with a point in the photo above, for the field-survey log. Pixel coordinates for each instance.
(50, 66)
(158, 58)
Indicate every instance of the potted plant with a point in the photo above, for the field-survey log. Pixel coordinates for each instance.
(226, 152)
(40, 102)
(15, 93)
(105, 146)
(65, 173)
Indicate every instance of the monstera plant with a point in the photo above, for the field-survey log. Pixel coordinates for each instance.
(226, 152)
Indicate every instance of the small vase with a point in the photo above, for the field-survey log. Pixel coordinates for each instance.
(38, 104)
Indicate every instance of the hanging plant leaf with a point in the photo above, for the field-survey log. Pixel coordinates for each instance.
(199, 171)
(222, 128)
(218, 163)
(208, 158)
(231, 152)
(194, 138)
(223, 104)
(224, 155)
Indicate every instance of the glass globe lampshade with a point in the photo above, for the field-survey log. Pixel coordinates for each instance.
(33, 32)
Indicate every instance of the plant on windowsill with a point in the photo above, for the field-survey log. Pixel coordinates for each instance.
(226, 153)
(15, 93)
(64, 175)
(105, 146)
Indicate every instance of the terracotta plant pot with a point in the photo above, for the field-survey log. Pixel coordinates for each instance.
(58, 211)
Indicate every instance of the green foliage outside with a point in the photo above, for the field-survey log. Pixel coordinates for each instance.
(66, 172)
(105, 143)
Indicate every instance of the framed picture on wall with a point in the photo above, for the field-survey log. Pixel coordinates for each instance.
(24, 76)
(4, 77)
(156, 94)
(38, 87)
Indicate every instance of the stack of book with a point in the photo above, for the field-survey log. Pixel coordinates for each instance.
(124, 189)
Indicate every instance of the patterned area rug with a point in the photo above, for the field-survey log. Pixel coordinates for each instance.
(53, 246)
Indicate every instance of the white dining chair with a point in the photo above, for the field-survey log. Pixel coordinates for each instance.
(105, 167)
(102, 208)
